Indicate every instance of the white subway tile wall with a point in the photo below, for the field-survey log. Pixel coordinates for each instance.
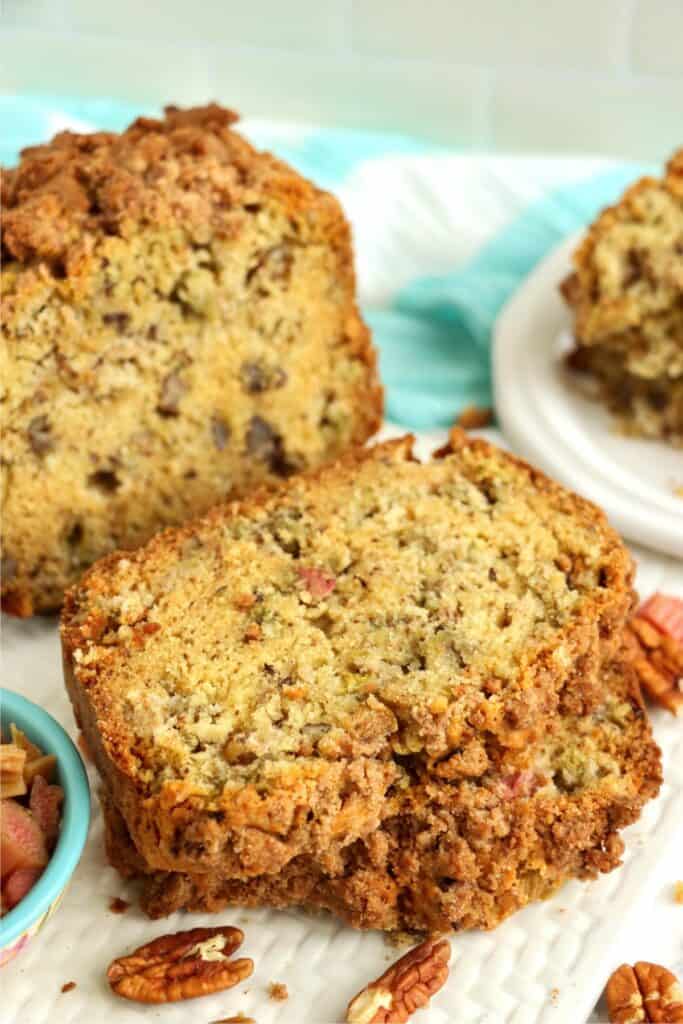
(493, 32)
(637, 118)
(658, 39)
(297, 24)
(600, 76)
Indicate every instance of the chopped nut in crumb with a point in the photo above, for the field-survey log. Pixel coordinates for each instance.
(118, 906)
(277, 991)
(473, 416)
(239, 1018)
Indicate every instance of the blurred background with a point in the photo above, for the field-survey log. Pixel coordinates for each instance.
(590, 76)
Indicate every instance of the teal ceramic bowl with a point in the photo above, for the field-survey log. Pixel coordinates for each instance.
(26, 919)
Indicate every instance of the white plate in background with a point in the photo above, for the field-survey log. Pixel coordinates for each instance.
(547, 417)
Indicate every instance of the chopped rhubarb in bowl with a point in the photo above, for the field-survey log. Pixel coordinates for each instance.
(42, 863)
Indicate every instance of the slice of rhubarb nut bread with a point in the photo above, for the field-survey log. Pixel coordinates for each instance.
(179, 324)
(456, 851)
(627, 296)
(260, 684)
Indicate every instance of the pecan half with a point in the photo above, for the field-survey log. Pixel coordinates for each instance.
(404, 988)
(658, 660)
(644, 993)
(180, 966)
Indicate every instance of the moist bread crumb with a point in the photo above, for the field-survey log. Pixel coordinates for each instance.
(410, 617)
(179, 325)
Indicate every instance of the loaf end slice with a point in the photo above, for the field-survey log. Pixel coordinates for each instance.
(179, 325)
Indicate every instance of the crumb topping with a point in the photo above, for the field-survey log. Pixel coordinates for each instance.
(188, 168)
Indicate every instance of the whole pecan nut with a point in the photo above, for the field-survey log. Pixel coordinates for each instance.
(404, 988)
(181, 966)
(644, 993)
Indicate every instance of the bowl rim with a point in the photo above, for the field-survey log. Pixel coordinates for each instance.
(44, 730)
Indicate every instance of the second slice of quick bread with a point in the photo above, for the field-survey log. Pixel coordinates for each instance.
(254, 684)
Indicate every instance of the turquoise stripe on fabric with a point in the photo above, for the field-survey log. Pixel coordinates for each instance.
(26, 120)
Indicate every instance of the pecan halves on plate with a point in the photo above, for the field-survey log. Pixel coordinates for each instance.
(644, 993)
(404, 988)
(181, 966)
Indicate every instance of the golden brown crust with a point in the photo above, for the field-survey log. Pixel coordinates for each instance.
(328, 794)
(189, 168)
(464, 855)
(179, 326)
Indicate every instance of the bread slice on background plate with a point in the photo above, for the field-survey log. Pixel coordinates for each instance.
(179, 325)
(626, 293)
(266, 682)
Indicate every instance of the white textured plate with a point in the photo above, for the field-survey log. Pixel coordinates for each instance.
(546, 965)
(547, 416)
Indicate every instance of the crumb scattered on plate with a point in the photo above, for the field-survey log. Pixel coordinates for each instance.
(473, 416)
(554, 995)
(277, 991)
(239, 1018)
(678, 892)
(397, 940)
(118, 906)
(68, 986)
